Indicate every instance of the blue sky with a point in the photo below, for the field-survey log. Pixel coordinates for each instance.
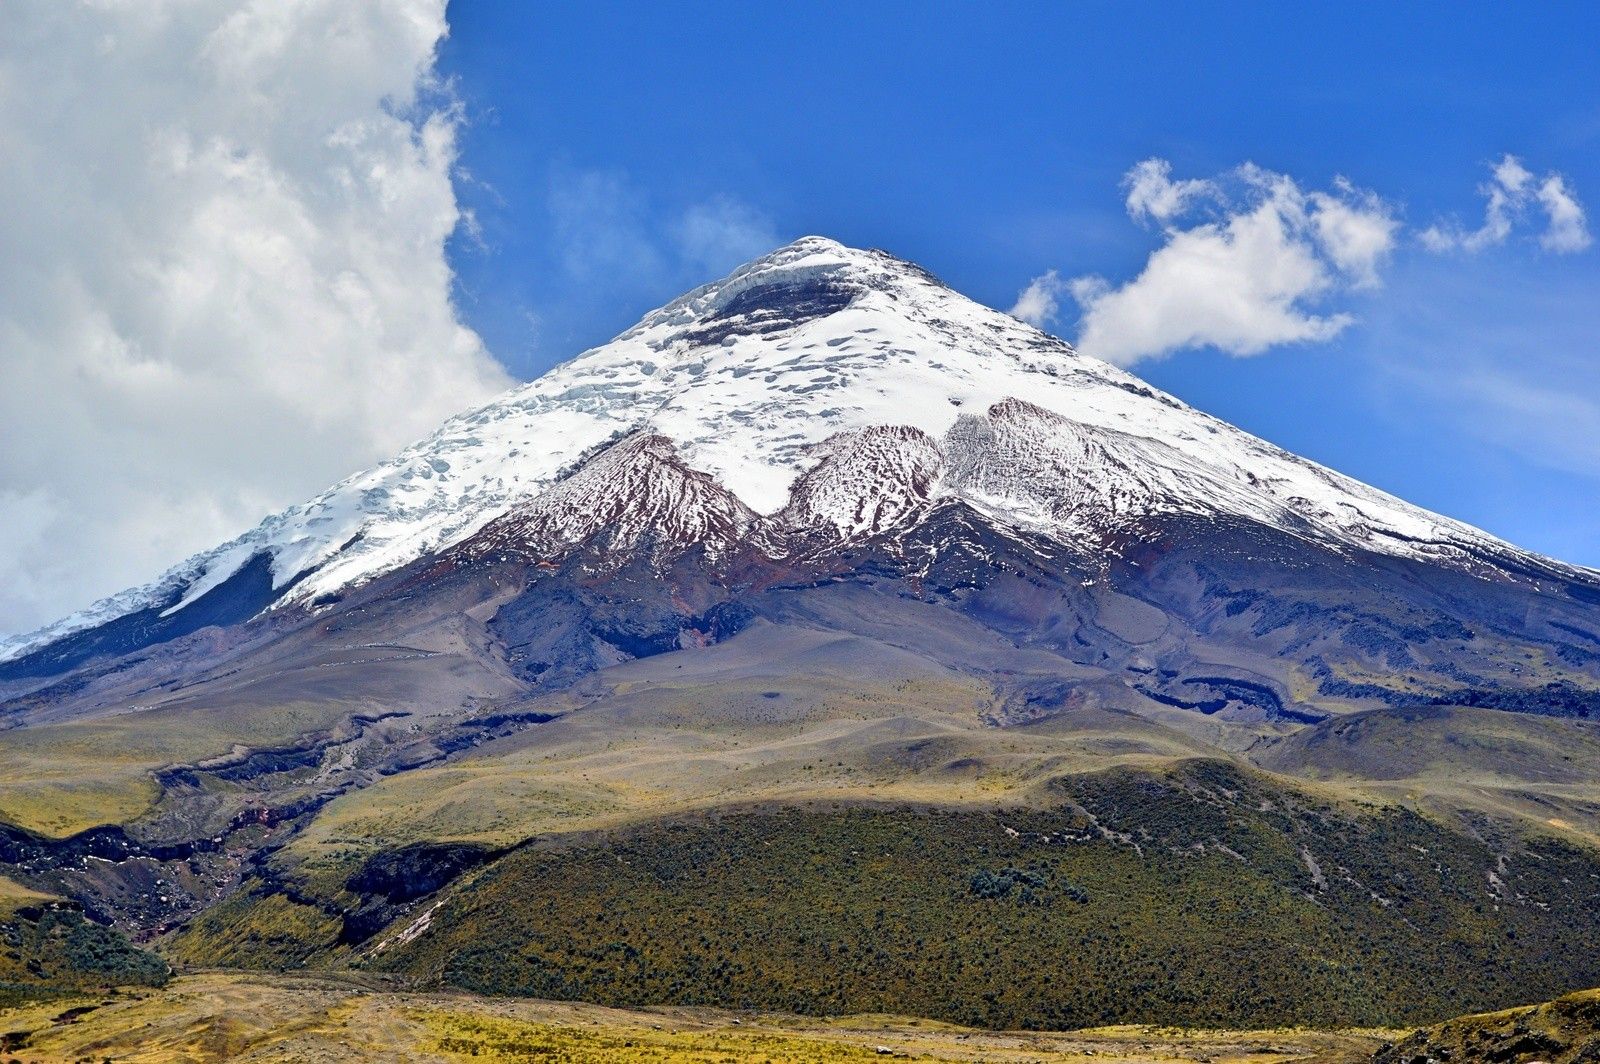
(989, 143)
(249, 249)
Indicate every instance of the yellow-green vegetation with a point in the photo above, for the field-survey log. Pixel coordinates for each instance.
(658, 751)
(1513, 766)
(14, 894)
(215, 1017)
(266, 927)
(62, 792)
(465, 1036)
(1203, 896)
(61, 779)
(1564, 1031)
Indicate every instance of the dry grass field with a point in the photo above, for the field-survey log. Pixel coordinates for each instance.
(215, 1017)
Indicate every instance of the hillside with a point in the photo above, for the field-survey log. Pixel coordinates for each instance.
(1564, 1031)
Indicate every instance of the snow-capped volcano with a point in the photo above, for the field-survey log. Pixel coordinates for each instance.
(853, 373)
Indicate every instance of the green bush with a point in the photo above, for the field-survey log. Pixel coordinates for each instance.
(52, 948)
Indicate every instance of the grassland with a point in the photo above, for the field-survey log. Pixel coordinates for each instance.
(827, 844)
(13, 894)
(1223, 920)
(65, 778)
(1541, 771)
(667, 748)
(214, 1017)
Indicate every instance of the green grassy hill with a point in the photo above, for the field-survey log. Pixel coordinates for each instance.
(1204, 894)
(1564, 1031)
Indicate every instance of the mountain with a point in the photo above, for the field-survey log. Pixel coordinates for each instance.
(824, 411)
(812, 354)
(826, 559)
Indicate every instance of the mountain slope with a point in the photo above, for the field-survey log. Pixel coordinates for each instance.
(1564, 1031)
(827, 536)
(817, 441)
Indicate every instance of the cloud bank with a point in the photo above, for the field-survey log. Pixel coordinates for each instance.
(225, 282)
(1251, 259)
(1248, 261)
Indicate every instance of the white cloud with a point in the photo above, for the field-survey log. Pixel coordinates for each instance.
(1511, 190)
(224, 283)
(28, 521)
(1154, 195)
(1355, 229)
(1568, 230)
(1511, 175)
(1253, 277)
(1039, 304)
